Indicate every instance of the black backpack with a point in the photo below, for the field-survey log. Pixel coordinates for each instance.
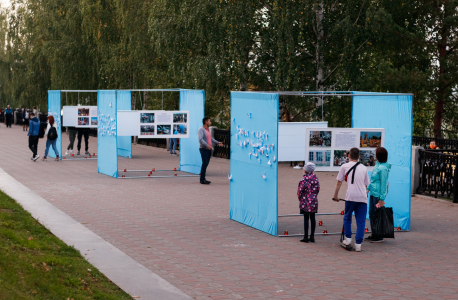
(52, 133)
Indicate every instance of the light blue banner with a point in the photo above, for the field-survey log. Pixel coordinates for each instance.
(107, 161)
(254, 177)
(194, 102)
(394, 113)
(124, 102)
(54, 109)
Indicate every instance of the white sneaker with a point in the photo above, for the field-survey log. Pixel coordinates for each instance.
(358, 247)
(297, 167)
(36, 157)
(71, 151)
(347, 241)
(66, 153)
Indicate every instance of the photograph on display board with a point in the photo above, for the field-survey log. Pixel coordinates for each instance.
(94, 121)
(84, 121)
(341, 157)
(370, 139)
(146, 129)
(83, 112)
(147, 118)
(164, 129)
(320, 138)
(320, 158)
(180, 129)
(180, 118)
(367, 158)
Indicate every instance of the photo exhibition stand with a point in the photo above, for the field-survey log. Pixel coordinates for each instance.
(254, 126)
(111, 145)
(55, 109)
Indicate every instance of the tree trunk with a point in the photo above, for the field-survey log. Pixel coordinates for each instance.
(319, 51)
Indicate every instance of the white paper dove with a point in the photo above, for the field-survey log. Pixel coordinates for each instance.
(263, 175)
(236, 136)
(249, 115)
(111, 105)
(249, 155)
(233, 121)
(259, 160)
(274, 159)
(269, 163)
(240, 144)
(229, 177)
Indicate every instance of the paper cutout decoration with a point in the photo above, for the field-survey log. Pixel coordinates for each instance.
(259, 160)
(263, 175)
(249, 155)
(249, 115)
(274, 159)
(229, 177)
(269, 163)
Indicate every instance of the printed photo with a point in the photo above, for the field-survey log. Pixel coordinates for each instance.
(341, 157)
(83, 121)
(94, 121)
(83, 112)
(370, 139)
(180, 129)
(164, 129)
(367, 158)
(320, 158)
(180, 118)
(146, 129)
(320, 138)
(147, 118)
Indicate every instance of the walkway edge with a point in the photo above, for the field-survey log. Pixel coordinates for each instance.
(129, 275)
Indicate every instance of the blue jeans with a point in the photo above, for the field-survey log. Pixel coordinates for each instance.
(173, 145)
(53, 144)
(372, 202)
(206, 154)
(360, 210)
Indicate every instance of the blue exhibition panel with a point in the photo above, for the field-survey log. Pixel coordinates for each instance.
(394, 113)
(107, 149)
(194, 102)
(254, 182)
(124, 102)
(54, 109)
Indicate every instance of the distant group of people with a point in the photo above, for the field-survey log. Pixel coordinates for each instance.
(358, 188)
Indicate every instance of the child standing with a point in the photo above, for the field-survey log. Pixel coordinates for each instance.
(307, 192)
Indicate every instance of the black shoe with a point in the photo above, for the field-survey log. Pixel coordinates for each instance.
(368, 238)
(377, 241)
(205, 182)
(305, 240)
(208, 182)
(312, 239)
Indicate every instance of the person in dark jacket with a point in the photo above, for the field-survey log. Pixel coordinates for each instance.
(307, 193)
(8, 116)
(71, 132)
(25, 119)
(83, 132)
(34, 130)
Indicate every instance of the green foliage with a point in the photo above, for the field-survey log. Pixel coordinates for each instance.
(221, 46)
(35, 264)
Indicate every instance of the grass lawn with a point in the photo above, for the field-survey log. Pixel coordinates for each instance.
(34, 264)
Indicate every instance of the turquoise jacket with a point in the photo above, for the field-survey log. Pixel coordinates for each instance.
(379, 180)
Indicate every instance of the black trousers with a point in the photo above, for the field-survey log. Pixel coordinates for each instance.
(84, 132)
(312, 224)
(206, 155)
(33, 144)
(8, 119)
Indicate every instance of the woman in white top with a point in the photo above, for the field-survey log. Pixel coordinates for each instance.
(51, 133)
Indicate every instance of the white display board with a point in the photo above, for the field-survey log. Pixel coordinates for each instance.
(153, 124)
(328, 148)
(291, 142)
(80, 116)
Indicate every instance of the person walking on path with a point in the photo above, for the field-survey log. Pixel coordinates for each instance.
(35, 111)
(356, 198)
(206, 142)
(85, 132)
(71, 132)
(34, 130)
(25, 119)
(8, 116)
(307, 192)
(173, 146)
(51, 133)
(378, 188)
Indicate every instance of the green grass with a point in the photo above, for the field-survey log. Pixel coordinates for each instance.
(34, 264)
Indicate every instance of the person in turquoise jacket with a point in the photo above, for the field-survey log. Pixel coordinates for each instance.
(378, 188)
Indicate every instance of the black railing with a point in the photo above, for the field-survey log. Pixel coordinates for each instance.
(441, 143)
(160, 143)
(223, 136)
(438, 173)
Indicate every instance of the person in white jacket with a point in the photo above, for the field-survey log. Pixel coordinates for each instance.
(51, 134)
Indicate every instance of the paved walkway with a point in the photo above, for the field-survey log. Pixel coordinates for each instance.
(180, 230)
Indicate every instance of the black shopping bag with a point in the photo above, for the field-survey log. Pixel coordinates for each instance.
(383, 223)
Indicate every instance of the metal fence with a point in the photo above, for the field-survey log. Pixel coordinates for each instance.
(223, 136)
(438, 173)
(441, 143)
